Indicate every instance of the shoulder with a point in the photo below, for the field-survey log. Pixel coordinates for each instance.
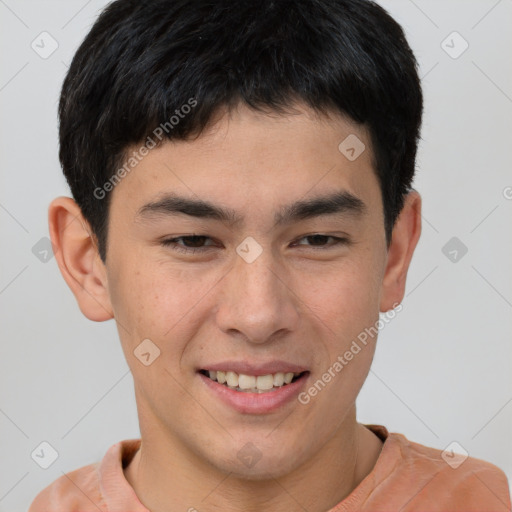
(451, 477)
(71, 492)
(95, 487)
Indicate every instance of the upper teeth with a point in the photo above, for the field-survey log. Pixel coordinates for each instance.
(260, 382)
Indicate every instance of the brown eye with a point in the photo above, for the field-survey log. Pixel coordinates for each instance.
(191, 243)
(320, 241)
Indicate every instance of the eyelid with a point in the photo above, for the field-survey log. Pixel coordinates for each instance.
(173, 245)
(338, 240)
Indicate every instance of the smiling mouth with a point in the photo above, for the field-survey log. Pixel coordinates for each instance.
(252, 383)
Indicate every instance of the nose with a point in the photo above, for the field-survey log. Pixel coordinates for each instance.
(256, 303)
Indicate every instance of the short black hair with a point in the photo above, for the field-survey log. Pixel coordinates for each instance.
(143, 62)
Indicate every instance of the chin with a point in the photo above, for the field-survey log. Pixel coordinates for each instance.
(253, 464)
(261, 472)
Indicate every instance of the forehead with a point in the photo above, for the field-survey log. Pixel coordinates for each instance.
(251, 158)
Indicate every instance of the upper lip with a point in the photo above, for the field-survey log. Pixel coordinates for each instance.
(251, 368)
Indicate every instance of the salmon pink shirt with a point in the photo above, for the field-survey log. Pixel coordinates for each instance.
(407, 477)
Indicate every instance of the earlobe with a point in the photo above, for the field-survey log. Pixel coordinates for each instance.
(78, 259)
(406, 234)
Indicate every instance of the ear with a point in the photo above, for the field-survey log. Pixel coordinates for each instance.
(405, 236)
(75, 248)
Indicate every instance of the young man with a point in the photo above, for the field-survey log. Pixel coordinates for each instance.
(241, 175)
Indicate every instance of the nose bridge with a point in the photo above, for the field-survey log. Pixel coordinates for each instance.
(258, 278)
(256, 301)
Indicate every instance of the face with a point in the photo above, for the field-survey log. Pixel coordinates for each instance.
(268, 280)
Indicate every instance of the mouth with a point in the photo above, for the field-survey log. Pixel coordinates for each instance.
(253, 383)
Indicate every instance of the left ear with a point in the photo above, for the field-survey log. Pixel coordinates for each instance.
(405, 236)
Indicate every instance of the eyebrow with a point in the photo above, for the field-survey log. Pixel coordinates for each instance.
(341, 203)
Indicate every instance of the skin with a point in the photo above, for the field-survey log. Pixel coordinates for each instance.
(302, 303)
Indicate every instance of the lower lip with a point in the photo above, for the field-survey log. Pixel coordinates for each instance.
(256, 403)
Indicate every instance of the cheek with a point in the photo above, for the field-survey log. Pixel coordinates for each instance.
(346, 296)
(346, 307)
(153, 300)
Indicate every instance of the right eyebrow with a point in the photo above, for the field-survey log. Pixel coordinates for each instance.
(172, 204)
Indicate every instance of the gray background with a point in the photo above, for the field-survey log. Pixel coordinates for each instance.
(443, 366)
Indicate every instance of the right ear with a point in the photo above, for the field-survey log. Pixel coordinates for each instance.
(76, 252)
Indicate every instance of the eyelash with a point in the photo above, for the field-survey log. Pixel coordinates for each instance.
(171, 243)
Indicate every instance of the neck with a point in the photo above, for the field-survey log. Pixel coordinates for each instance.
(166, 475)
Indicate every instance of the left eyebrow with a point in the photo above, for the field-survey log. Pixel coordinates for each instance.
(341, 202)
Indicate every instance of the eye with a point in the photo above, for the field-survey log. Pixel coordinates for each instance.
(319, 240)
(195, 241)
